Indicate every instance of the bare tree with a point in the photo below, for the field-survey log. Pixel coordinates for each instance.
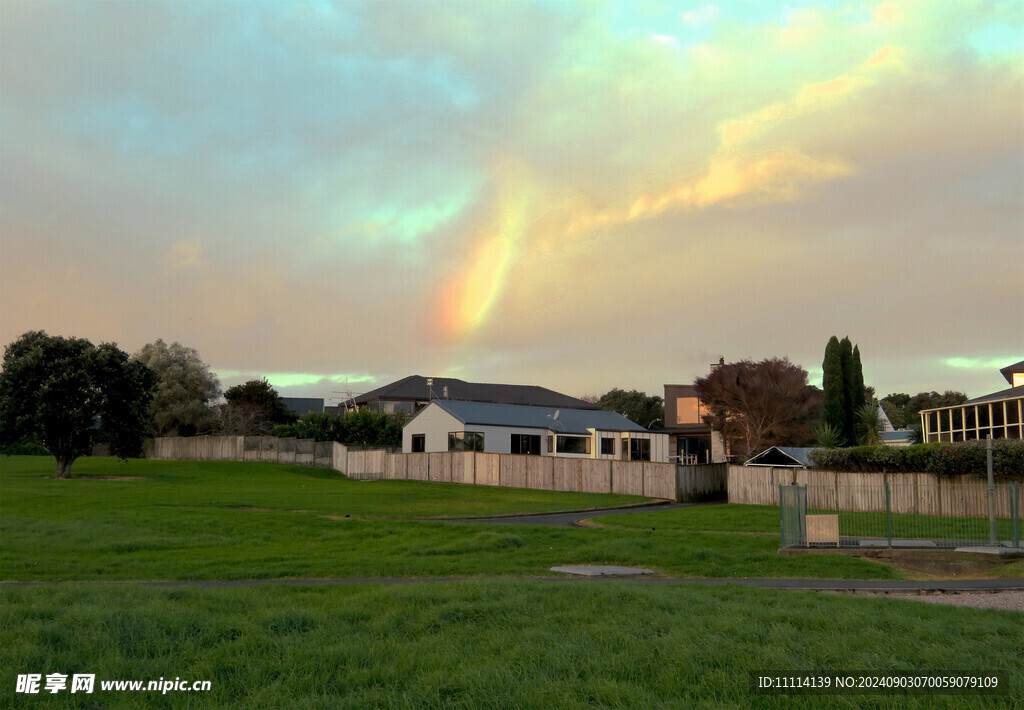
(755, 405)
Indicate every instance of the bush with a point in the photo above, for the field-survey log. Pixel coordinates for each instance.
(946, 460)
(361, 428)
(25, 449)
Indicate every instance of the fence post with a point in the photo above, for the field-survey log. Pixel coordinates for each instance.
(991, 492)
(888, 515)
(1015, 512)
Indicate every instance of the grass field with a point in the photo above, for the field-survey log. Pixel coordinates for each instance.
(490, 645)
(221, 520)
(487, 643)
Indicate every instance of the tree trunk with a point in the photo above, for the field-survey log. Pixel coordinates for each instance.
(63, 468)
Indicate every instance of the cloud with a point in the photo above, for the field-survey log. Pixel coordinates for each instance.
(186, 254)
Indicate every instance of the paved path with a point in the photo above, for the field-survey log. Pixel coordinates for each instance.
(831, 585)
(572, 517)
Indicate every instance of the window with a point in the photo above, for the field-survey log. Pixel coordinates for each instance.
(525, 444)
(551, 444)
(687, 410)
(607, 446)
(639, 449)
(465, 441)
(419, 443)
(573, 444)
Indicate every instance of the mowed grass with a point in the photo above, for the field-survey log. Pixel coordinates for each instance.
(217, 520)
(513, 644)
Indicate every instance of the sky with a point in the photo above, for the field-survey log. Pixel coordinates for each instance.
(575, 195)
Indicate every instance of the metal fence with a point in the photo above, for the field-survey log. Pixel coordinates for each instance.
(893, 515)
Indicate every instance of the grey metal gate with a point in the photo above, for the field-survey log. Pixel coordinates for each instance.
(793, 515)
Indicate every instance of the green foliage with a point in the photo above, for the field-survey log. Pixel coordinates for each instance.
(635, 405)
(832, 385)
(68, 394)
(859, 390)
(826, 436)
(868, 423)
(261, 401)
(966, 458)
(849, 413)
(28, 448)
(903, 410)
(186, 389)
(359, 428)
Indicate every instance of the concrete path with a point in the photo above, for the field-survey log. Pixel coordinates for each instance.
(572, 517)
(831, 585)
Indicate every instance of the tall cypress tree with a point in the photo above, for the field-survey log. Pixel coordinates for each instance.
(860, 397)
(832, 384)
(846, 370)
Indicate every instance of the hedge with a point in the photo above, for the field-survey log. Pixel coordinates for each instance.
(967, 458)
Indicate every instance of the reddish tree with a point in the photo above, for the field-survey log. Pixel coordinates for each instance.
(755, 405)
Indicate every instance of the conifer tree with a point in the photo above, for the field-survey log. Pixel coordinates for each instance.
(860, 395)
(846, 371)
(832, 384)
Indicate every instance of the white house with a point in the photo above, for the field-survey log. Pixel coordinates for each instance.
(450, 425)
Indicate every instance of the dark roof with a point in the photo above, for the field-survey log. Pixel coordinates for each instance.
(415, 389)
(569, 421)
(1011, 393)
(302, 405)
(1010, 369)
(995, 396)
(898, 435)
(782, 457)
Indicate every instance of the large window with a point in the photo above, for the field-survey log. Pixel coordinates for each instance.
(525, 444)
(639, 449)
(607, 446)
(419, 443)
(573, 444)
(465, 441)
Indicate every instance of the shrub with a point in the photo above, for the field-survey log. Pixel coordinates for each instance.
(25, 449)
(361, 428)
(966, 458)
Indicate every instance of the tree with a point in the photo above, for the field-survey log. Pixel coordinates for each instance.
(68, 394)
(826, 436)
(634, 405)
(903, 410)
(868, 424)
(860, 394)
(755, 405)
(186, 390)
(832, 386)
(849, 395)
(257, 402)
(359, 428)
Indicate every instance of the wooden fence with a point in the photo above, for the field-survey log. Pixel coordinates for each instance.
(551, 473)
(916, 493)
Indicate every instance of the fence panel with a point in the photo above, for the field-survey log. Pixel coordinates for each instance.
(566, 475)
(701, 482)
(540, 473)
(660, 480)
(512, 471)
(628, 478)
(595, 475)
(486, 467)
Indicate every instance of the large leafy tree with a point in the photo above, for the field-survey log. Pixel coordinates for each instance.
(903, 410)
(635, 405)
(186, 390)
(253, 408)
(68, 394)
(755, 405)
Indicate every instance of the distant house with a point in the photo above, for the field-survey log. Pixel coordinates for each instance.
(1000, 414)
(890, 435)
(782, 457)
(303, 405)
(690, 439)
(449, 425)
(413, 393)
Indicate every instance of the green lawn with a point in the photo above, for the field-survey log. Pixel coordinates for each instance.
(489, 645)
(217, 520)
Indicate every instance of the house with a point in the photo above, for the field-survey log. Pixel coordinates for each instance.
(453, 425)
(782, 457)
(1000, 414)
(689, 438)
(413, 393)
(890, 435)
